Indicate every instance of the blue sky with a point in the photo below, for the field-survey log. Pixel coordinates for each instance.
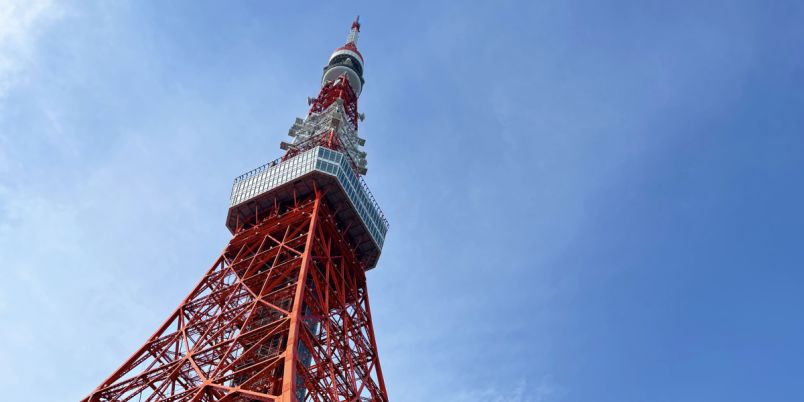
(589, 201)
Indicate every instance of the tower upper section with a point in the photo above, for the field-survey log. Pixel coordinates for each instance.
(346, 60)
(333, 117)
(325, 155)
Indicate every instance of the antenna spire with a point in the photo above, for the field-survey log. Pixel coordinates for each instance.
(353, 33)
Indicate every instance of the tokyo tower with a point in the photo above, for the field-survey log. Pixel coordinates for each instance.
(283, 314)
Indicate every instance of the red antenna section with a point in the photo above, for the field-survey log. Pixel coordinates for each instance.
(352, 38)
(356, 23)
(338, 91)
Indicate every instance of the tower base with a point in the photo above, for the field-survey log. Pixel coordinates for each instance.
(282, 315)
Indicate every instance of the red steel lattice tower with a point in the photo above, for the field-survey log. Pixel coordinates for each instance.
(283, 314)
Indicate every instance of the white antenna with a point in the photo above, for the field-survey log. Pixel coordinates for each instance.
(354, 32)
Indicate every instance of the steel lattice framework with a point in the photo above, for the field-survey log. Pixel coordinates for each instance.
(283, 314)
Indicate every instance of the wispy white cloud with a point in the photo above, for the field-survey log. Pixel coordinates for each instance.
(20, 23)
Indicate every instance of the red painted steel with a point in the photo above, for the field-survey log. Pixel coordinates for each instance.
(282, 315)
(338, 90)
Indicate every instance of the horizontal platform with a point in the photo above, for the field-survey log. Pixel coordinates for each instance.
(322, 168)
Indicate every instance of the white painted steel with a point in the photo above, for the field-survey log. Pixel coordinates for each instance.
(269, 176)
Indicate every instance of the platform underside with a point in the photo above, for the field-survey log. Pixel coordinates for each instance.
(260, 207)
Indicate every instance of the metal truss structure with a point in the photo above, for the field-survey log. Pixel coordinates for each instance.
(283, 314)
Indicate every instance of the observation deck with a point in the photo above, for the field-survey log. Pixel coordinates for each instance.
(322, 168)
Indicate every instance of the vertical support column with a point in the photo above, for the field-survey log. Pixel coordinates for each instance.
(373, 341)
(291, 351)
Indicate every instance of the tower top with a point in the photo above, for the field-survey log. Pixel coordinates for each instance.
(354, 32)
(350, 47)
(347, 60)
(333, 119)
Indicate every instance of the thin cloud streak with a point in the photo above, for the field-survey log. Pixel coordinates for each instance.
(21, 21)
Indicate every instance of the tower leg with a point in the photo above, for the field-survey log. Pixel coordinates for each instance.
(289, 393)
